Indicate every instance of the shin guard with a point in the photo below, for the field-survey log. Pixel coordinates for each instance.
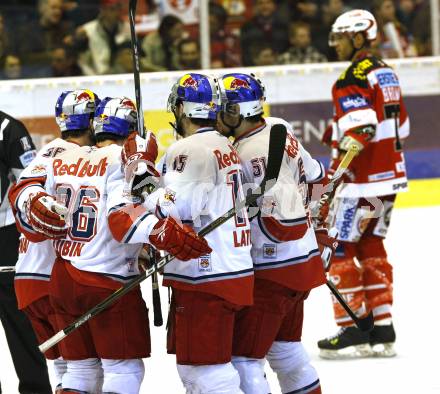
(347, 278)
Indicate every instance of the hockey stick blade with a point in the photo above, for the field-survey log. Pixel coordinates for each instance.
(365, 323)
(277, 140)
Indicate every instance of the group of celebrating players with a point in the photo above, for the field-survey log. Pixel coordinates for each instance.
(237, 293)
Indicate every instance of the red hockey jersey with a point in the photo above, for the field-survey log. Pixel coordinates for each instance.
(368, 93)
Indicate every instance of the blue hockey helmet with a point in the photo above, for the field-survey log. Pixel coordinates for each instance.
(75, 108)
(199, 95)
(117, 116)
(243, 89)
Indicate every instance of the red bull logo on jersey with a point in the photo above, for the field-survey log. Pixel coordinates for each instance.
(233, 83)
(187, 81)
(80, 168)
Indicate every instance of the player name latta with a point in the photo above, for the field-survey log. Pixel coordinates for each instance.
(81, 168)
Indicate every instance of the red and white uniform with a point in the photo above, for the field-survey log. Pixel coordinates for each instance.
(201, 174)
(105, 234)
(89, 181)
(284, 247)
(35, 260)
(368, 93)
(287, 266)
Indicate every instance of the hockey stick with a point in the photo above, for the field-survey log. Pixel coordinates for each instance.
(366, 323)
(136, 70)
(7, 269)
(157, 305)
(337, 178)
(157, 309)
(277, 144)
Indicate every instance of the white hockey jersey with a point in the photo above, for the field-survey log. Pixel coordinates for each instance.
(202, 175)
(36, 259)
(284, 247)
(106, 229)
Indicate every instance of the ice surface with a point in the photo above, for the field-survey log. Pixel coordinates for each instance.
(411, 245)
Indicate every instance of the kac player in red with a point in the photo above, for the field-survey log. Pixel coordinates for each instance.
(368, 112)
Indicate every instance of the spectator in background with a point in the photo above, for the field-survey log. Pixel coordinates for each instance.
(11, 67)
(81, 11)
(264, 27)
(64, 63)
(385, 13)
(301, 10)
(5, 42)
(189, 54)
(225, 47)
(124, 59)
(97, 40)
(36, 41)
(301, 50)
(330, 10)
(421, 28)
(160, 48)
(405, 11)
(263, 55)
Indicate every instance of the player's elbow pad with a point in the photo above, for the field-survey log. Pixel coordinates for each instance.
(283, 230)
(123, 221)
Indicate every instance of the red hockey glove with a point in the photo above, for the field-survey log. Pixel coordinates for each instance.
(138, 157)
(181, 242)
(136, 149)
(46, 216)
(359, 137)
(324, 239)
(327, 244)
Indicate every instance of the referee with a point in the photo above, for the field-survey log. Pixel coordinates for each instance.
(16, 151)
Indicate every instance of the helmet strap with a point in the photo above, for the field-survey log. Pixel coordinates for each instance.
(177, 125)
(356, 50)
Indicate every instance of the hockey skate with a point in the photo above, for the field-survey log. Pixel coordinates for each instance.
(347, 343)
(382, 340)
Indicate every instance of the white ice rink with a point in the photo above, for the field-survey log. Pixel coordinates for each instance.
(411, 247)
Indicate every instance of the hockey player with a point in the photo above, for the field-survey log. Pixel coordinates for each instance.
(369, 113)
(285, 251)
(201, 175)
(17, 150)
(97, 244)
(74, 111)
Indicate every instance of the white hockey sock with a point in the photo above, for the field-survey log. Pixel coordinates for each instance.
(292, 365)
(252, 377)
(210, 379)
(82, 375)
(59, 368)
(122, 376)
